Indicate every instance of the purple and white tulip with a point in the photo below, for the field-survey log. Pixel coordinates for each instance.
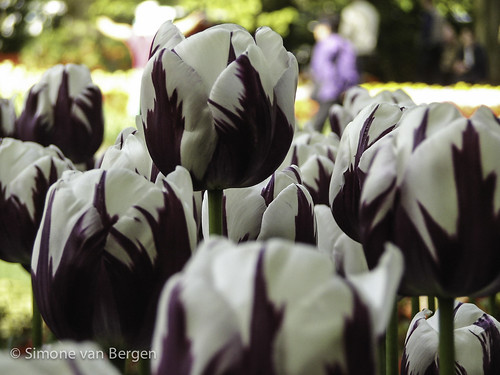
(354, 153)
(65, 109)
(220, 103)
(433, 190)
(62, 358)
(280, 207)
(107, 243)
(7, 118)
(314, 153)
(477, 342)
(27, 170)
(130, 152)
(271, 308)
(356, 99)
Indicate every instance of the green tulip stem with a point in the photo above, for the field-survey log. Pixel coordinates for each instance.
(215, 212)
(36, 326)
(391, 342)
(446, 339)
(432, 303)
(381, 352)
(492, 299)
(415, 305)
(144, 368)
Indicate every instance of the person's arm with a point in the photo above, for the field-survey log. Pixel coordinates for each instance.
(108, 27)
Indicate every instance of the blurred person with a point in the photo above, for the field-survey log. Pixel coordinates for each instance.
(451, 46)
(431, 43)
(471, 65)
(148, 17)
(333, 68)
(359, 23)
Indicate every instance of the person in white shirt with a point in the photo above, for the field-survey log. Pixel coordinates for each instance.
(359, 23)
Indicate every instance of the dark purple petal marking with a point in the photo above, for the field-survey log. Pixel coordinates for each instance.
(374, 238)
(176, 357)
(17, 228)
(295, 157)
(357, 339)
(490, 342)
(346, 205)
(419, 134)
(266, 320)
(304, 221)
(432, 369)
(320, 195)
(296, 173)
(31, 126)
(267, 191)
(95, 296)
(232, 55)
(474, 246)
(335, 124)
(68, 131)
(164, 125)
(255, 140)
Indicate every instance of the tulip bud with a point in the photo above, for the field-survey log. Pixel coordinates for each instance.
(433, 191)
(107, 242)
(477, 342)
(220, 103)
(65, 109)
(130, 152)
(280, 208)
(7, 118)
(264, 301)
(354, 153)
(27, 170)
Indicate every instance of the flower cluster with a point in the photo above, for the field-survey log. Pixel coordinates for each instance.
(319, 233)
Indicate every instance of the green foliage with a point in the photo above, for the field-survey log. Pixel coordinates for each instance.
(119, 11)
(279, 20)
(15, 304)
(77, 42)
(13, 32)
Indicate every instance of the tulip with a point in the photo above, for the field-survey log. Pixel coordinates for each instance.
(7, 118)
(108, 241)
(314, 154)
(477, 342)
(433, 191)
(280, 207)
(62, 358)
(264, 301)
(220, 103)
(65, 109)
(27, 170)
(351, 164)
(130, 152)
(356, 99)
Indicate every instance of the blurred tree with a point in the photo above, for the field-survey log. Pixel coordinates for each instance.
(487, 14)
(76, 33)
(13, 31)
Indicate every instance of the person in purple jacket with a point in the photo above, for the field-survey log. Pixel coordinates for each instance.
(333, 67)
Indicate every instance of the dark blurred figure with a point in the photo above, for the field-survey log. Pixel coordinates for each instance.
(449, 53)
(431, 43)
(359, 23)
(471, 65)
(333, 67)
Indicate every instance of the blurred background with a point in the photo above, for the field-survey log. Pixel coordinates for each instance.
(41, 33)
(37, 34)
